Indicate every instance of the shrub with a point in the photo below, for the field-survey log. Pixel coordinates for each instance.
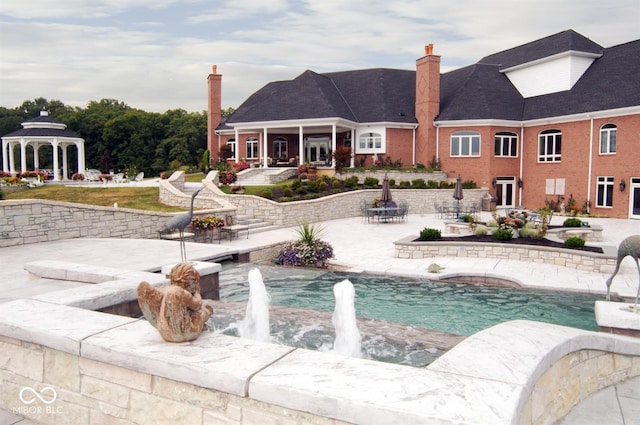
(267, 193)
(529, 232)
(466, 218)
(572, 222)
(371, 182)
(432, 184)
(503, 234)
(322, 186)
(574, 242)
(392, 182)
(492, 223)
(286, 191)
(351, 182)
(418, 184)
(430, 234)
(335, 183)
(481, 231)
(227, 177)
(404, 184)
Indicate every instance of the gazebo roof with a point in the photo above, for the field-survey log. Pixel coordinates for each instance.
(43, 126)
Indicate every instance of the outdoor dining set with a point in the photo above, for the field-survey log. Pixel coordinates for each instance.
(456, 210)
(384, 211)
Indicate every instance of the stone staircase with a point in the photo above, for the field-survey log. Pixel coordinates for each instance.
(264, 176)
(255, 225)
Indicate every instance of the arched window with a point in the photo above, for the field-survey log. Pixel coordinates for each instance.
(608, 138)
(550, 146)
(465, 143)
(252, 148)
(280, 148)
(506, 144)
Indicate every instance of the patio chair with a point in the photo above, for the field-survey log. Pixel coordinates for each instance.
(139, 177)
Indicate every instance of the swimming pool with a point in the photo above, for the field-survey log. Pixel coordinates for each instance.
(448, 307)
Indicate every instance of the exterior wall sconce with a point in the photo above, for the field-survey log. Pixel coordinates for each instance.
(519, 182)
(623, 185)
(494, 182)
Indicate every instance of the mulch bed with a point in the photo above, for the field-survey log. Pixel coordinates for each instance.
(515, 241)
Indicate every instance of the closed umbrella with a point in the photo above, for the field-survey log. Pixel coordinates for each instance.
(457, 194)
(386, 190)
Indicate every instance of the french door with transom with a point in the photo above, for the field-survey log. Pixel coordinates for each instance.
(505, 192)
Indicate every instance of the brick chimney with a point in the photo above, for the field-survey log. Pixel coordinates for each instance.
(214, 113)
(427, 103)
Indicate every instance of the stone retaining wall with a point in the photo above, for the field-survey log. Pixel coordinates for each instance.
(31, 221)
(580, 260)
(341, 205)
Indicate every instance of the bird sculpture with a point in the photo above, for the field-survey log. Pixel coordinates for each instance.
(180, 222)
(629, 246)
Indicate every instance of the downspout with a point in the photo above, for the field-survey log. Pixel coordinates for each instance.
(437, 142)
(413, 154)
(521, 161)
(590, 164)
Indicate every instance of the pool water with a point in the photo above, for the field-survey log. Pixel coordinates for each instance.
(448, 307)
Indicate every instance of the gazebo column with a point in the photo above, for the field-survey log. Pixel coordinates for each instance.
(65, 160)
(12, 159)
(81, 163)
(23, 155)
(36, 159)
(301, 145)
(56, 166)
(5, 156)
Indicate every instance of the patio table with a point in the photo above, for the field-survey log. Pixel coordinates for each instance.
(384, 214)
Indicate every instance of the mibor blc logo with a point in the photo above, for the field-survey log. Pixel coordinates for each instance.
(37, 402)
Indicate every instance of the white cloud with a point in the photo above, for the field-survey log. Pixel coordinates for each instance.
(156, 54)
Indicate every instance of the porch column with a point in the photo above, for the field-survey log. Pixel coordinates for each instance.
(56, 166)
(301, 145)
(237, 146)
(353, 148)
(265, 147)
(23, 155)
(334, 144)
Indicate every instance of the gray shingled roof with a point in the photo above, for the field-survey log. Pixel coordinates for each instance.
(554, 44)
(478, 91)
(42, 132)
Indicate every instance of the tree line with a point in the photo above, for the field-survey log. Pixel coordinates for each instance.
(121, 138)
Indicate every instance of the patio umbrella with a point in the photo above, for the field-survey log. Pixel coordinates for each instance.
(386, 191)
(457, 194)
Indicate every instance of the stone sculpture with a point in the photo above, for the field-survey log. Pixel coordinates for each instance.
(629, 246)
(177, 310)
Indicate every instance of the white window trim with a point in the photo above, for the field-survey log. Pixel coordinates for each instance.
(383, 141)
(550, 157)
(252, 141)
(604, 182)
(608, 131)
(234, 147)
(459, 136)
(280, 140)
(512, 137)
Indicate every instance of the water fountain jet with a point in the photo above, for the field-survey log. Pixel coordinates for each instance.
(256, 324)
(348, 340)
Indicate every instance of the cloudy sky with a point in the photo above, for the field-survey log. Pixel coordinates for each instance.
(156, 54)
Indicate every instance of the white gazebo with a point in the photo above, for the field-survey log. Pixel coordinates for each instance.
(37, 132)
